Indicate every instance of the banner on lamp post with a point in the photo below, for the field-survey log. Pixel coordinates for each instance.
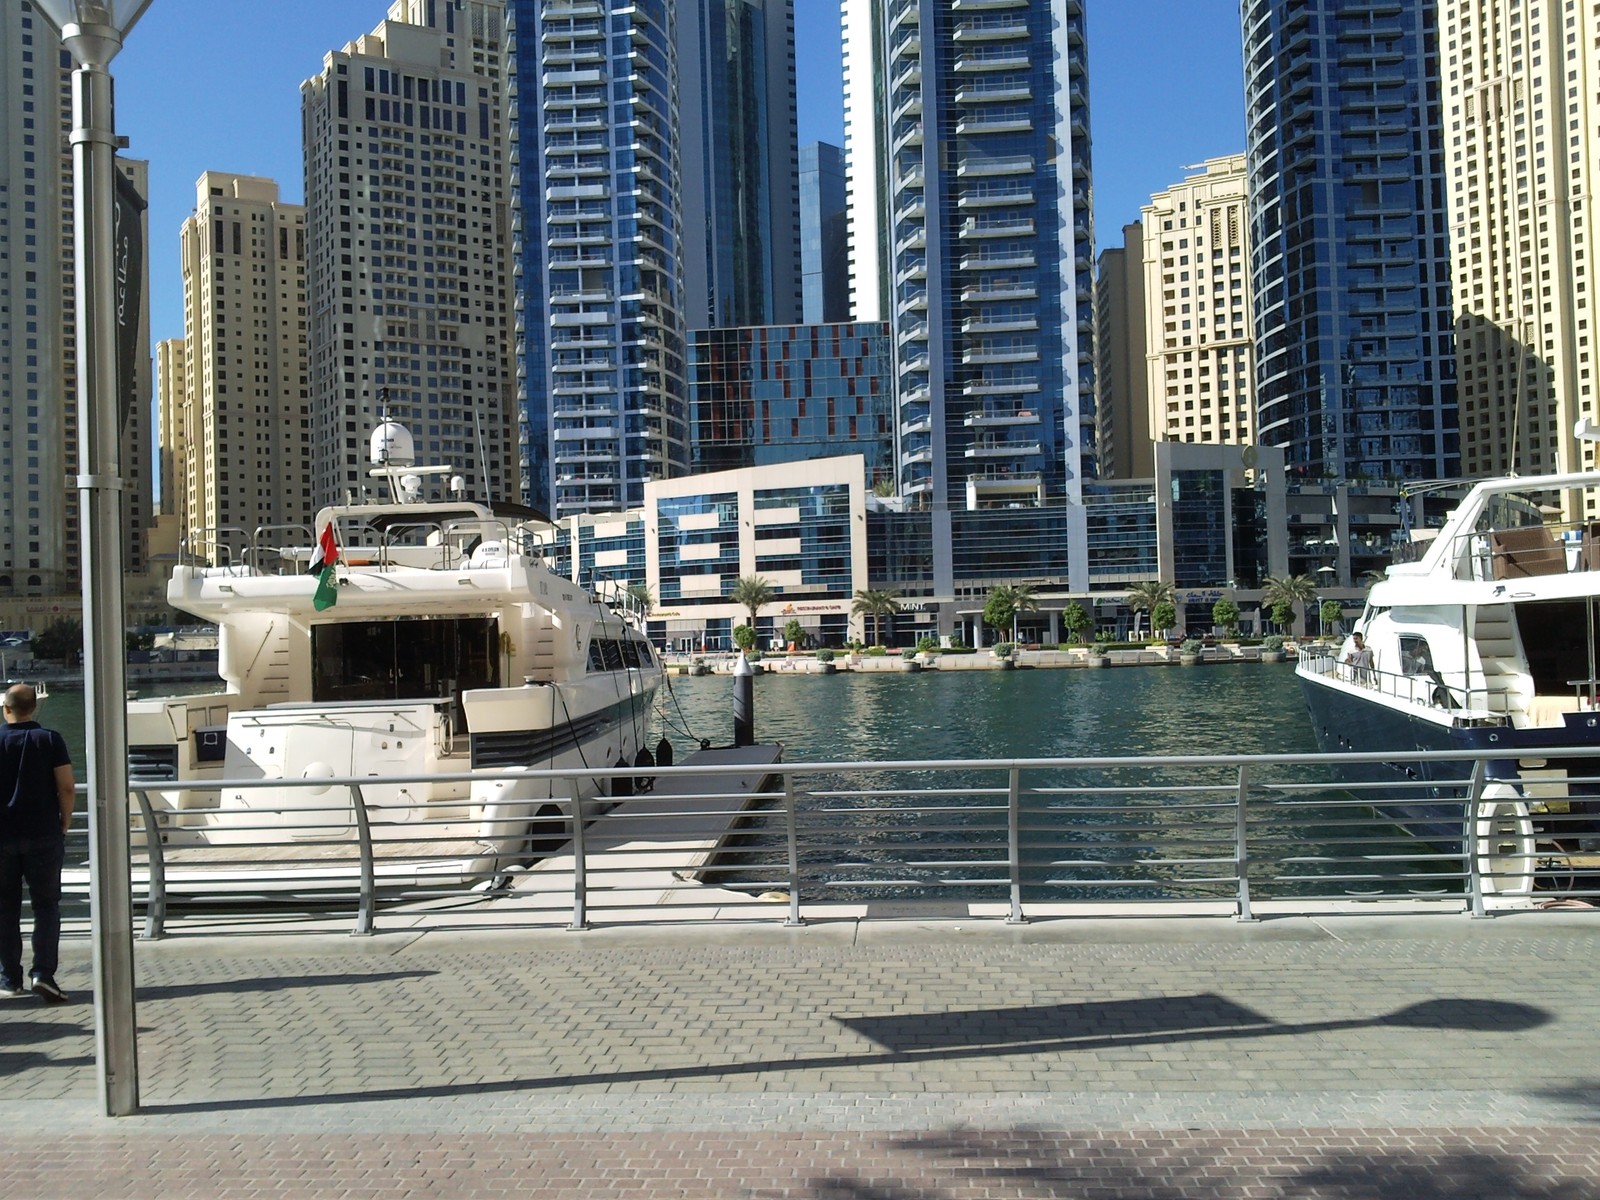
(127, 257)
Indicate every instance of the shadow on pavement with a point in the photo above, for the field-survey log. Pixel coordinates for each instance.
(911, 1038)
(1166, 1167)
(272, 983)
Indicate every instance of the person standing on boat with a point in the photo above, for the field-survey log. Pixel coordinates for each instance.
(1359, 659)
(36, 798)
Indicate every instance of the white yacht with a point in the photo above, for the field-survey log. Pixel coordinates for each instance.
(430, 640)
(1487, 642)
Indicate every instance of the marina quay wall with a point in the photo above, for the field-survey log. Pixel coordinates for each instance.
(982, 660)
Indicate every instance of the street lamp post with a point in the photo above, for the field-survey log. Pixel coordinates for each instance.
(93, 33)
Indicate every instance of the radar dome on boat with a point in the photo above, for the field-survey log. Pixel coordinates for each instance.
(392, 445)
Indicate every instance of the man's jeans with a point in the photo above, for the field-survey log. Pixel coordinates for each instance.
(39, 861)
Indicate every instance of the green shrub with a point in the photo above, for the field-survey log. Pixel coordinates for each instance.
(1004, 649)
(957, 648)
(824, 655)
(1272, 642)
(1191, 646)
(876, 651)
(908, 652)
(927, 644)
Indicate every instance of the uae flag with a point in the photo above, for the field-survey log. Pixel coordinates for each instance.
(327, 594)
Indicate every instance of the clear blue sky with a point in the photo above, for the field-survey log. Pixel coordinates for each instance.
(214, 85)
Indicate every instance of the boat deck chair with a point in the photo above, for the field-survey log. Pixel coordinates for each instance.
(1522, 553)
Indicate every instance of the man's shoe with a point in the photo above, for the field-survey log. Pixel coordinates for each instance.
(47, 990)
(10, 991)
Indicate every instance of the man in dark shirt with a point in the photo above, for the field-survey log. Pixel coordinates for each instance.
(36, 797)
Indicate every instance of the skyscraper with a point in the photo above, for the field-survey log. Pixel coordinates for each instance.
(824, 236)
(407, 220)
(1520, 114)
(599, 252)
(737, 123)
(241, 416)
(40, 545)
(1355, 371)
(967, 138)
(1122, 406)
(1198, 337)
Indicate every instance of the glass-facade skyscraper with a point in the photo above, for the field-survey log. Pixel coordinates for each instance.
(1355, 373)
(824, 236)
(967, 139)
(741, 199)
(597, 233)
(791, 393)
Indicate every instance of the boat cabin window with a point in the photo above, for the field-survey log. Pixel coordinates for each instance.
(1415, 657)
(423, 658)
(613, 654)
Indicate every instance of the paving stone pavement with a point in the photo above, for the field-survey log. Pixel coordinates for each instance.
(1372, 1057)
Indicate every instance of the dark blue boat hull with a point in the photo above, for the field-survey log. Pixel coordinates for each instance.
(1425, 798)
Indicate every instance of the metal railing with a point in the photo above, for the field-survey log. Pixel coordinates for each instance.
(1225, 835)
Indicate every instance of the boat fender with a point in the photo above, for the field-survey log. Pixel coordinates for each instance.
(622, 785)
(644, 783)
(663, 753)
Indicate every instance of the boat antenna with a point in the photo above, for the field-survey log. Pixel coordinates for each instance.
(483, 458)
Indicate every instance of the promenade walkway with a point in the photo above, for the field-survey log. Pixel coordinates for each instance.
(1373, 1057)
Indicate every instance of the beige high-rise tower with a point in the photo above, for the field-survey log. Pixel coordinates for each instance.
(1520, 115)
(237, 432)
(1199, 341)
(40, 545)
(408, 248)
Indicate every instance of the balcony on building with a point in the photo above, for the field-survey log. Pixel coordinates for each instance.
(996, 198)
(907, 106)
(996, 448)
(1009, 324)
(983, 168)
(1000, 26)
(1004, 489)
(995, 290)
(982, 58)
(994, 356)
(1003, 417)
(1016, 261)
(981, 122)
(997, 227)
(977, 91)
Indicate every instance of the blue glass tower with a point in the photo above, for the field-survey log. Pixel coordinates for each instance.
(1355, 366)
(968, 143)
(597, 235)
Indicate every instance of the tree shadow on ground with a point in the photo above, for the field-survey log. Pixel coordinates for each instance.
(1149, 1165)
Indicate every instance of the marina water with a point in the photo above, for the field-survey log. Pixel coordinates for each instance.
(1243, 708)
(1147, 711)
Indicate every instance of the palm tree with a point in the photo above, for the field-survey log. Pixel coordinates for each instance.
(1022, 600)
(643, 601)
(1289, 591)
(1143, 597)
(750, 593)
(876, 603)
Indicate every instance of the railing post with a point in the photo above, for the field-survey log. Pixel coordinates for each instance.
(791, 832)
(1241, 844)
(1014, 846)
(580, 864)
(1469, 837)
(366, 913)
(155, 909)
